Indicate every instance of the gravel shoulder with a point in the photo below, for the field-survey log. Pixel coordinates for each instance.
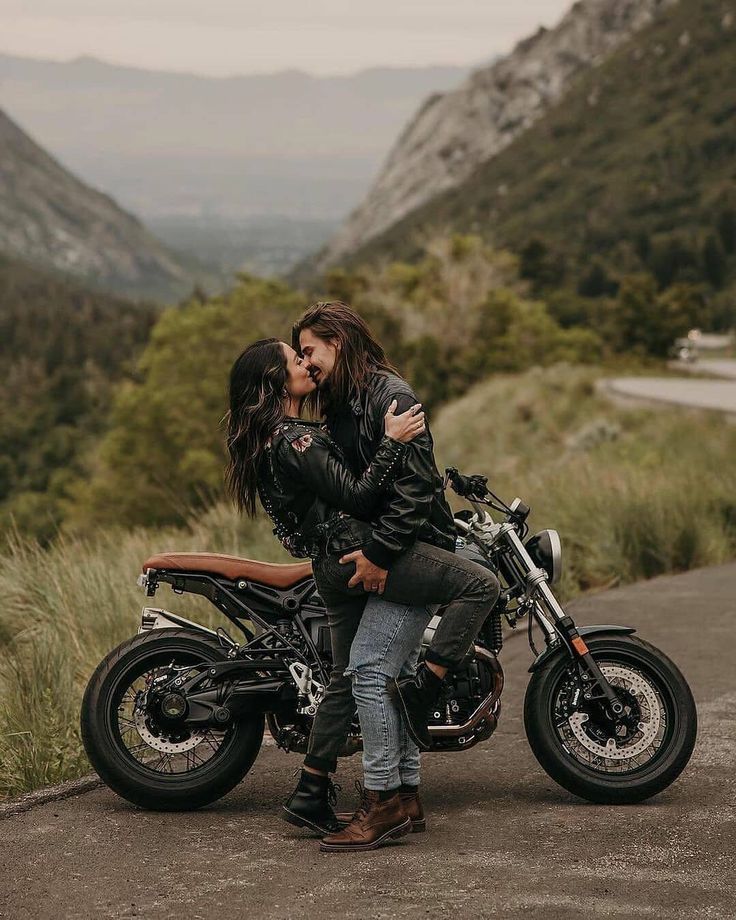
(502, 840)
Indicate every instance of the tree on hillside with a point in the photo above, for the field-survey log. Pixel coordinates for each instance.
(596, 282)
(62, 350)
(515, 333)
(714, 261)
(727, 229)
(164, 454)
(540, 265)
(647, 321)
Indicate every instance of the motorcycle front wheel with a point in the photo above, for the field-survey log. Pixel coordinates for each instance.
(160, 766)
(604, 762)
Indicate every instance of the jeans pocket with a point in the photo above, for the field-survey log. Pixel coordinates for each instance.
(347, 534)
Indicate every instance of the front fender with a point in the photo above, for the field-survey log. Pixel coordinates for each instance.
(551, 650)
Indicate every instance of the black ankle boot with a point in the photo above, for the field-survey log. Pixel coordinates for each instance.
(310, 804)
(416, 697)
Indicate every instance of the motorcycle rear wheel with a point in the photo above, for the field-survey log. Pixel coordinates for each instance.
(228, 755)
(580, 752)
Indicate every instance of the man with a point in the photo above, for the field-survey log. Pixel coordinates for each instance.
(413, 537)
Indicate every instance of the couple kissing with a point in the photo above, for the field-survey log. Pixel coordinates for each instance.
(328, 438)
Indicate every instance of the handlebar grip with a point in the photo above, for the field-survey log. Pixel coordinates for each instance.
(466, 485)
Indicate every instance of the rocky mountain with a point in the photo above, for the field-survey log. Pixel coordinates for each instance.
(453, 133)
(174, 144)
(50, 218)
(632, 171)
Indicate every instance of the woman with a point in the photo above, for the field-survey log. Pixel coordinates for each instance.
(297, 472)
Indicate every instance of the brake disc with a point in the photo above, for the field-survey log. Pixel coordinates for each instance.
(647, 728)
(163, 742)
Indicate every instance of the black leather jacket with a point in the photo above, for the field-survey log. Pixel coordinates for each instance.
(415, 507)
(312, 497)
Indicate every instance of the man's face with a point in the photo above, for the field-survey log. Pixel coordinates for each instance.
(319, 355)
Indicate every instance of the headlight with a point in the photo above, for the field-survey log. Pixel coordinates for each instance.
(546, 551)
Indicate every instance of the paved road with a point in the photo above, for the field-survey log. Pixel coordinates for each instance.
(719, 395)
(718, 367)
(503, 840)
(695, 394)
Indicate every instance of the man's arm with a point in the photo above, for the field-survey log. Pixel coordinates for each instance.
(305, 456)
(409, 499)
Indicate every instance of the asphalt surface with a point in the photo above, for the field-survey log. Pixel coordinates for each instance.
(718, 367)
(717, 395)
(502, 839)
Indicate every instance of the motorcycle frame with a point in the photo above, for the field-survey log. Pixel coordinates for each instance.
(257, 656)
(260, 648)
(529, 584)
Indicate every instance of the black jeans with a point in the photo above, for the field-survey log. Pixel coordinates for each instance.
(424, 575)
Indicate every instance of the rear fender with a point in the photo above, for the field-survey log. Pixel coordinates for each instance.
(156, 618)
(558, 648)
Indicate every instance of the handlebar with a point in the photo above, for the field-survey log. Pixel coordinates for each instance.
(475, 486)
(475, 489)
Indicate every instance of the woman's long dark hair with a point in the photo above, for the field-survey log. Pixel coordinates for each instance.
(257, 388)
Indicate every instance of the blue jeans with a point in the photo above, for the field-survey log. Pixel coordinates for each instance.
(423, 575)
(386, 646)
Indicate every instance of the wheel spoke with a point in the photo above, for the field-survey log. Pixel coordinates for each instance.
(139, 747)
(208, 739)
(146, 738)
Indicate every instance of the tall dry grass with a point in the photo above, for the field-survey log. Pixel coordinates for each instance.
(634, 493)
(63, 609)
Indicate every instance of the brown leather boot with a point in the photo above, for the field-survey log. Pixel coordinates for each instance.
(373, 825)
(412, 806)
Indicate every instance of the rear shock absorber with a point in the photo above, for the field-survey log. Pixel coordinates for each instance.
(494, 632)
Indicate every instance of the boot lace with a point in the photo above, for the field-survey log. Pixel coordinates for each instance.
(364, 804)
(332, 790)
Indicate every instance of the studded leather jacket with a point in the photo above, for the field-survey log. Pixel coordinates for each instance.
(415, 507)
(316, 503)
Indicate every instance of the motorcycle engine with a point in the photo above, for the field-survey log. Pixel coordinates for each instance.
(463, 691)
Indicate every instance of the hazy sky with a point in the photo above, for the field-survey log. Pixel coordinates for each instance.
(221, 37)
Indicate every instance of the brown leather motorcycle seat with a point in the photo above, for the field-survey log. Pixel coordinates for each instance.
(266, 573)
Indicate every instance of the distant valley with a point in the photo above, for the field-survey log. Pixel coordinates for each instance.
(165, 144)
(267, 245)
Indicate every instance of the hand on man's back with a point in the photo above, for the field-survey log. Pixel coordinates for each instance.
(366, 573)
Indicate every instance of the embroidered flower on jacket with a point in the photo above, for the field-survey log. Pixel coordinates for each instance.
(303, 443)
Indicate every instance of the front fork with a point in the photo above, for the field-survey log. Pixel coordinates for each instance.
(561, 626)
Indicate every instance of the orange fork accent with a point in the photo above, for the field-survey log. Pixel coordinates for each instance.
(580, 647)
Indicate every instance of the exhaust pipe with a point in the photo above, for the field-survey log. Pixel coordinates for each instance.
(487, 709)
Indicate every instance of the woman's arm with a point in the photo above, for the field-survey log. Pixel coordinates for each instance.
(308, 456)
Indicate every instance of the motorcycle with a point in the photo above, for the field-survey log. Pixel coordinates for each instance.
(173, 718)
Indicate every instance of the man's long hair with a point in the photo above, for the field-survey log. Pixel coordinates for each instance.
(257, 382)
(359, 354)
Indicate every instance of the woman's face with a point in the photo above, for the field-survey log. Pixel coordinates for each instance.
(298, 381)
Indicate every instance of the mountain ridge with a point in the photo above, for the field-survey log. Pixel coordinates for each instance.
(51, 218)
(19, 60)
(632, 171)
(242, 146)
(453, 133)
